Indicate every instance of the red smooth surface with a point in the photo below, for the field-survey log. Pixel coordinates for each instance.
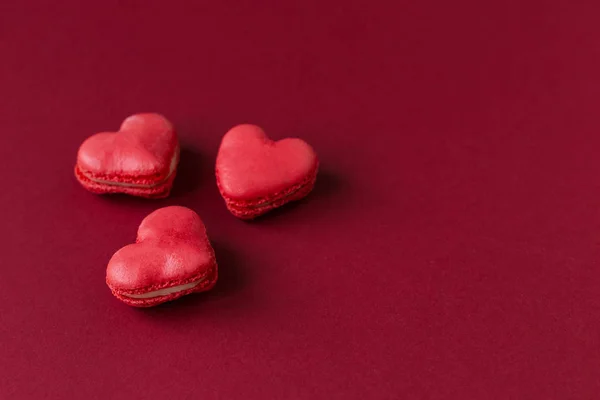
(143, 147)
(250, 167)
(450, 248)
(171, 250)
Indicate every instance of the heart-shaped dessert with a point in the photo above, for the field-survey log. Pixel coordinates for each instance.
(140, 159)
(256, 174)
(172, 257)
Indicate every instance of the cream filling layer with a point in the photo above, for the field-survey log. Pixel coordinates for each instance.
(165, 291)
(172, 167)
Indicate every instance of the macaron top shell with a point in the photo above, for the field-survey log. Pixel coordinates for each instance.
(250, 165)
(172, 249)
(144, 146)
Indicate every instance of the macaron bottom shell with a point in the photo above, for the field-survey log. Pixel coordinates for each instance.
(204, 283)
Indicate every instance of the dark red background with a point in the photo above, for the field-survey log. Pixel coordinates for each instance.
(449, 251)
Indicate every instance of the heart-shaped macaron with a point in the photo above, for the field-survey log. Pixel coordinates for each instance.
(172, 257)
(256, 174)
(140, 159)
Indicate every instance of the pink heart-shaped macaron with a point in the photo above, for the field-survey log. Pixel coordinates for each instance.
(140, 159)
(256, 174)
(172, 257)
